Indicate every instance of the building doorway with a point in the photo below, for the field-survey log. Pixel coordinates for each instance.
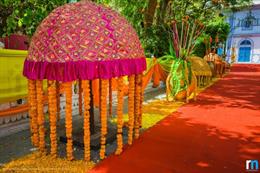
(244, 51)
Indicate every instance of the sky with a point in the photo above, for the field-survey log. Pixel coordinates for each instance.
(256, 1)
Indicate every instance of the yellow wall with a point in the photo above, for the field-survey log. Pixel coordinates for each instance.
(13, 85)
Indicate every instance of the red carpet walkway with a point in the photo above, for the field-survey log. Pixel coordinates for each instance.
(216, 134)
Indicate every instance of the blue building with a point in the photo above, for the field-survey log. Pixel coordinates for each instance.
(245, 35)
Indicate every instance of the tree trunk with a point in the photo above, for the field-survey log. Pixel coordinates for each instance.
(149, 14)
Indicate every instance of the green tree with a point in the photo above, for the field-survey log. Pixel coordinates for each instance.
(23, 16)
(151, 18)
(217, 28)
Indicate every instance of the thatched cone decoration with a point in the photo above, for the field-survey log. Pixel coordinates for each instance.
(201, 69)
(219, 64)
(83, 42)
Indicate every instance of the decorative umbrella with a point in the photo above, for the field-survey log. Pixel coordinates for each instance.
(83, 41)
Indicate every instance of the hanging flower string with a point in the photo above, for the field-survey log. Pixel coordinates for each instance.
(137, 104)
(120, 98)
(58, 99)
(52, 99)
(141, 103)
(103, 101)
(39, 91)
(30, 112)
(33, 112)
(131, 104)
(68, 119)
(86, 94)
(80, 97)
(110, 97)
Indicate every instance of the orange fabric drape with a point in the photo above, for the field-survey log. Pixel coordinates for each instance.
(158, 75)
(163, 74)
(147, 77)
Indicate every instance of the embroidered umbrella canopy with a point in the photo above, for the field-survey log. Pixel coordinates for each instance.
(83, 41)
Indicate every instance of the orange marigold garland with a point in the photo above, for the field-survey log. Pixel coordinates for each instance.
(120, 98)
(68, 119)
(80, 98)
(58, 99)
(103, 113)
(33, 112)
(30, 119)
(141, 102)
(110, 97)
(52, 99)
(40, 120)
(137, 104)
(86, 94)
(131, 104)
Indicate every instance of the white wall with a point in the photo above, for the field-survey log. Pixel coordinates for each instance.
(255, 49)
(238, 34)
(241, 15)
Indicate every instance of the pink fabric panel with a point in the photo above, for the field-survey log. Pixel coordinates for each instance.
(85, 70)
